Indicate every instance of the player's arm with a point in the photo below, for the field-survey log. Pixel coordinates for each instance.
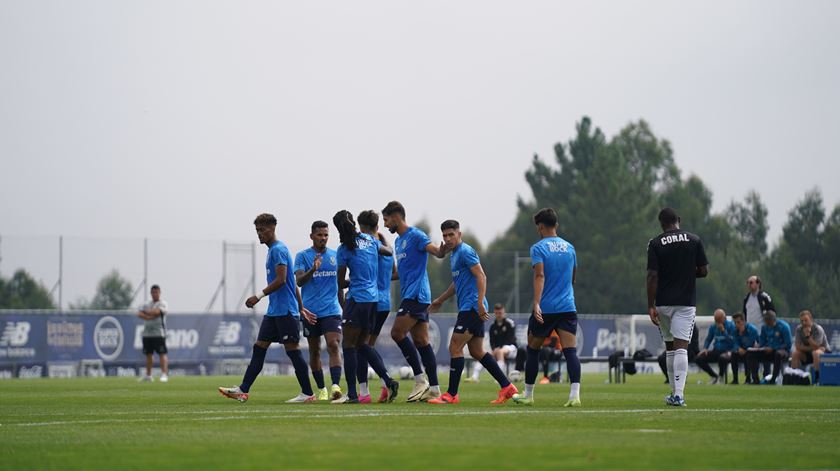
(438, 302)
(303, 276)
(280, 280)
(384, 249)
(652, 281)
(702, 262)
(342, 278)
(341, 298)
(481, 286)
(153, 313)
(438, 251)
(394, 274)
(142, 315)
(539, 286)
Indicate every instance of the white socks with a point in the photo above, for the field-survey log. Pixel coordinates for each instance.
(419, 378)
(669, 366)
(680, 371)
(363, 389)
(529, 390)
(435, 389)
(574, 392)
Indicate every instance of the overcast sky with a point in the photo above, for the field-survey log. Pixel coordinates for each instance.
(183, 120)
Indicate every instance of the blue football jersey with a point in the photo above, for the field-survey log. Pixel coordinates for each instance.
(463, 258)
(559, 261)
(411, 265)
(283, 301)
(362, 263)
(320, 293)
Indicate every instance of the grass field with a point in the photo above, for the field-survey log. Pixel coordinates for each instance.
(117, 423)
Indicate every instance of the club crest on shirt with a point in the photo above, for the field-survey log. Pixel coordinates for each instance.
(333, 260)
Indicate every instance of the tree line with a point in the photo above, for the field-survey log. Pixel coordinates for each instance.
(607, 193)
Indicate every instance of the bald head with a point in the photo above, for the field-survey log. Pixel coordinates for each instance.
(720, 316)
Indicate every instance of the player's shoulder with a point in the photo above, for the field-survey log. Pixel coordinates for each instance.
(509, 322)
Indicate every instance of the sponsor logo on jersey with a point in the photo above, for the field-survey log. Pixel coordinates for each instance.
(669, 239)
(555, 246)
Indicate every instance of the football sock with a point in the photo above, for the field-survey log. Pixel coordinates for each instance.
(361, 366)
(456, 367)
(363, 389)
(254, 368)
(493, 368)
(435, 389)
(501, 365)
(335, 374)
(529, 390)
(669, 365)
(350, 371)
(531, 366)
(376, 363)
(301, 371)
(572, 364)
(319, 378)
(574, 392)
(429, 363)
(680, 371)
(419, 378)
(411, 355)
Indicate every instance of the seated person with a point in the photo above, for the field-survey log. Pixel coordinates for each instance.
(746, 337)
(502, 345)
(774, 344)
(809, 343)
(722, 332)
(551, 351)
(693, 349)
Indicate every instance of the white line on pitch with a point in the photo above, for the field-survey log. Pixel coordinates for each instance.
(318, 414)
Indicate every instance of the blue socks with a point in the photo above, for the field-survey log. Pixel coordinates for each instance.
(429, 364)
(319, 378)
(492, 367)
(301, 371)
(350, 371)
(572, 364)
(456, 368)
(335, 374)
(254, 368)
(409, 351)
(532, 366)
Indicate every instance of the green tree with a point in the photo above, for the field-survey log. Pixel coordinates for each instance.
(803, 272)
(607, 193)
(21, 291)
(113, 292)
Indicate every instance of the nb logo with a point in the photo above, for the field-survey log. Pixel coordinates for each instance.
(227, 333)
(16, 334)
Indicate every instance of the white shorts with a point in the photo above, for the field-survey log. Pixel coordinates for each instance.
(676, 322)
(509, 351)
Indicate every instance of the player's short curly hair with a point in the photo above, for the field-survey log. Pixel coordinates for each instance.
(394, 207)
(265, 219)
(547, 217)
(368, 218)
(450, 224)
